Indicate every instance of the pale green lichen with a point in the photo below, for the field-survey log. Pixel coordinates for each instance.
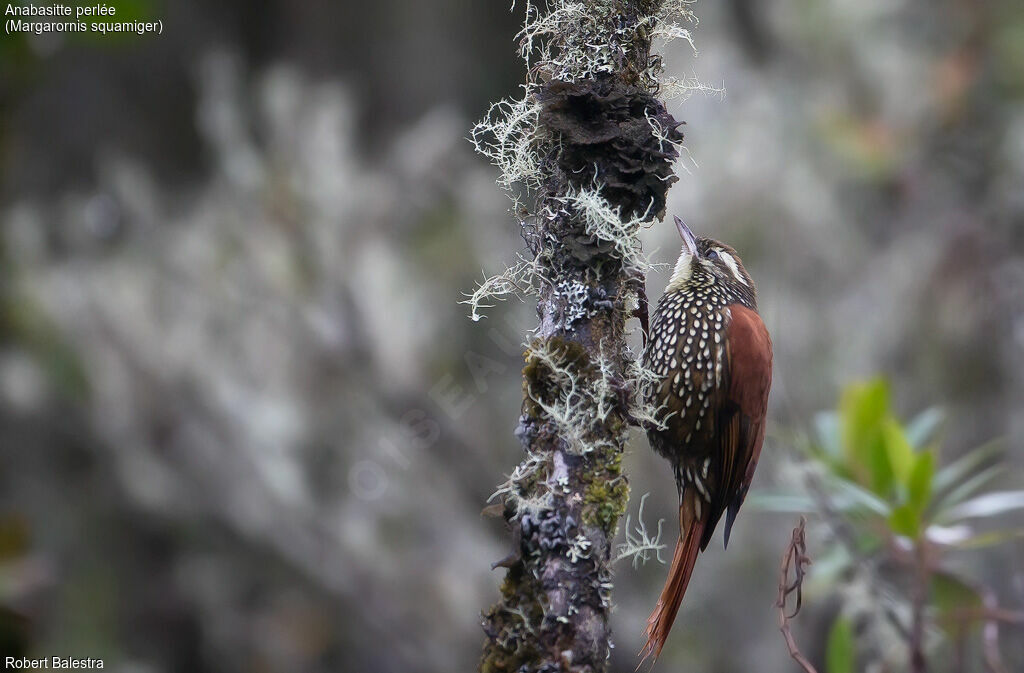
(565, 387)
(606, 223)
(510, 137)
(520, 490)
(640, 546)
(518, 280)
(675, 88)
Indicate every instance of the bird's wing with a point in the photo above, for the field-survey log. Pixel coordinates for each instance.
(741, 421)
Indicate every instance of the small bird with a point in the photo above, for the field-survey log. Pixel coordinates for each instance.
(713, 359)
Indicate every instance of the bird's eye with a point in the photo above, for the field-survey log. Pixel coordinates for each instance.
(713, 255)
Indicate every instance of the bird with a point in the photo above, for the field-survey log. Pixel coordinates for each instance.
(711, 355)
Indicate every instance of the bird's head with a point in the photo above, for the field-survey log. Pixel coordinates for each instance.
(707, 263)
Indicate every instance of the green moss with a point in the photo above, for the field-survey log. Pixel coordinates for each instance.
(606, 491)
(509, 587)
(534, 374)
(514, 646)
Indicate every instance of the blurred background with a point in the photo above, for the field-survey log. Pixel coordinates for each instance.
(245, 424)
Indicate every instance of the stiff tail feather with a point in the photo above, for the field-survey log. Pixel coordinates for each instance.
(687, 547)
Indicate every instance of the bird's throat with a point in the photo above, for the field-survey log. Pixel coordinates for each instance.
(681, 274)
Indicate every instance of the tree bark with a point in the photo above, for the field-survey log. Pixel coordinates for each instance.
(603, 146)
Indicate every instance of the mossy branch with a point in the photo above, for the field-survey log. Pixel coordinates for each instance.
(593, 148)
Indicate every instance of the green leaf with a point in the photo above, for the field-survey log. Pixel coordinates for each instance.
(899, 452)
(919, 482)
(949, 592)
(883, 477)
(848, 495)
(989, 504)
(839, 653)
(966, 490)
(989, 539)
(924, 426)
(948, 536)
(949, 595)
(864, 409)
(905, 520)
(963, 467)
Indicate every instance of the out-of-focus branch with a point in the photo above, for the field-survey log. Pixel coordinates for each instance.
(991, 615)
(919, 600)
(794, 560)
(990, 633)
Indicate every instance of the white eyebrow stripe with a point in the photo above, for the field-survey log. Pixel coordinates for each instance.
(731, 263)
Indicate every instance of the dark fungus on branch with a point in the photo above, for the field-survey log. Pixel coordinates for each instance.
(615, 135)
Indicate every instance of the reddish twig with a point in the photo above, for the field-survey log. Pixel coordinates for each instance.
(797, 559)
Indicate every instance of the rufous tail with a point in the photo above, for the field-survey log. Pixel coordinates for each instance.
(683, 559)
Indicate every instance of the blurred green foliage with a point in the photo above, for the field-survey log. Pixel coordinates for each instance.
(880, 481)
(839, 653)
(25, 324)
(884, 475)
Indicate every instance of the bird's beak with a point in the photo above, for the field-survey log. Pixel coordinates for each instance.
(688, 239)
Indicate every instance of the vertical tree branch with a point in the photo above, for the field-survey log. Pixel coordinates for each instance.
(596, 147)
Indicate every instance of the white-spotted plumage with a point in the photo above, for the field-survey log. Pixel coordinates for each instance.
(688, 330)
(701, 316)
